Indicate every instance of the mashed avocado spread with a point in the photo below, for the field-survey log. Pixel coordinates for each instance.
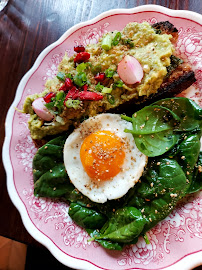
(152, 50)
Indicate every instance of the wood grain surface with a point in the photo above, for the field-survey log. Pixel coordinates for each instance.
(26, 28)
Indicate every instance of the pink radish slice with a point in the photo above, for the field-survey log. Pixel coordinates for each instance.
(41, 110)
(130, 70)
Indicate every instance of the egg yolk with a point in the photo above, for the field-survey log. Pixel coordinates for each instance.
(102, 155)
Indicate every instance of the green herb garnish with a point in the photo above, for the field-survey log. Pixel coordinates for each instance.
(109, 73)
(99, 87)
(117, 84)
(61, 76)
(174, 63)
(128, 42)
(69, 75)
(106, 90)
(111, 99)
(57, 103)
(116, 39)
(107, 42)
(96, 69)
(80, 79)
(81, 67)
(70, 103)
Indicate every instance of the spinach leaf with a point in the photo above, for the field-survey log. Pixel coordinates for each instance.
(186, 109)
(54, 183)
(48, 156)
(85, 217)
(75, 196)
(164, 176)
(159, 130)
(156, 127)
(188, 152)
(156, 144)
(157, 210)
(161, 187)
(196, 184)
(126, 224)
(153, 130)
(151, 119)
(105, 243)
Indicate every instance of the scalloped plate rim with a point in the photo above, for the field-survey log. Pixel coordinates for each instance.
(32, 230)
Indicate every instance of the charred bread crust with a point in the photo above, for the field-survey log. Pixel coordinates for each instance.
(40, 143)
(174, 87)
(167, 28)
(179, 80)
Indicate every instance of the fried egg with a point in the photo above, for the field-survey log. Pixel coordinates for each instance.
(101, 160)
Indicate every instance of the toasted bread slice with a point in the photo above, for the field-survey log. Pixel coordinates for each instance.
(180, 78)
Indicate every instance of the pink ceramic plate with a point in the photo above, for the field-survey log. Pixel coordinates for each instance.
(176, 242)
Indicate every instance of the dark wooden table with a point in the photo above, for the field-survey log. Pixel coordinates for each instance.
(26, 28)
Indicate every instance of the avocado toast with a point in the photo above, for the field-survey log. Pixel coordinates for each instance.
(88, 82)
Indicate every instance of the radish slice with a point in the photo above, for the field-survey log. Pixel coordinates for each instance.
(41, 110)
(130, 70)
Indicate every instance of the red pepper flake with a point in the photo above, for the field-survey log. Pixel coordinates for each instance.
(47, 97)
(68, 83)
(79, 48)
(81, 57)
(100, 77)
(86, 95)
(83, 95)
(85, 87)
(73, 93)
(63, 88)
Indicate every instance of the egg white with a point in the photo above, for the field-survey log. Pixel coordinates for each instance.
(132, 169)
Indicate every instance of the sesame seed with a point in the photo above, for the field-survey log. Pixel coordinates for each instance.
(173, 195)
